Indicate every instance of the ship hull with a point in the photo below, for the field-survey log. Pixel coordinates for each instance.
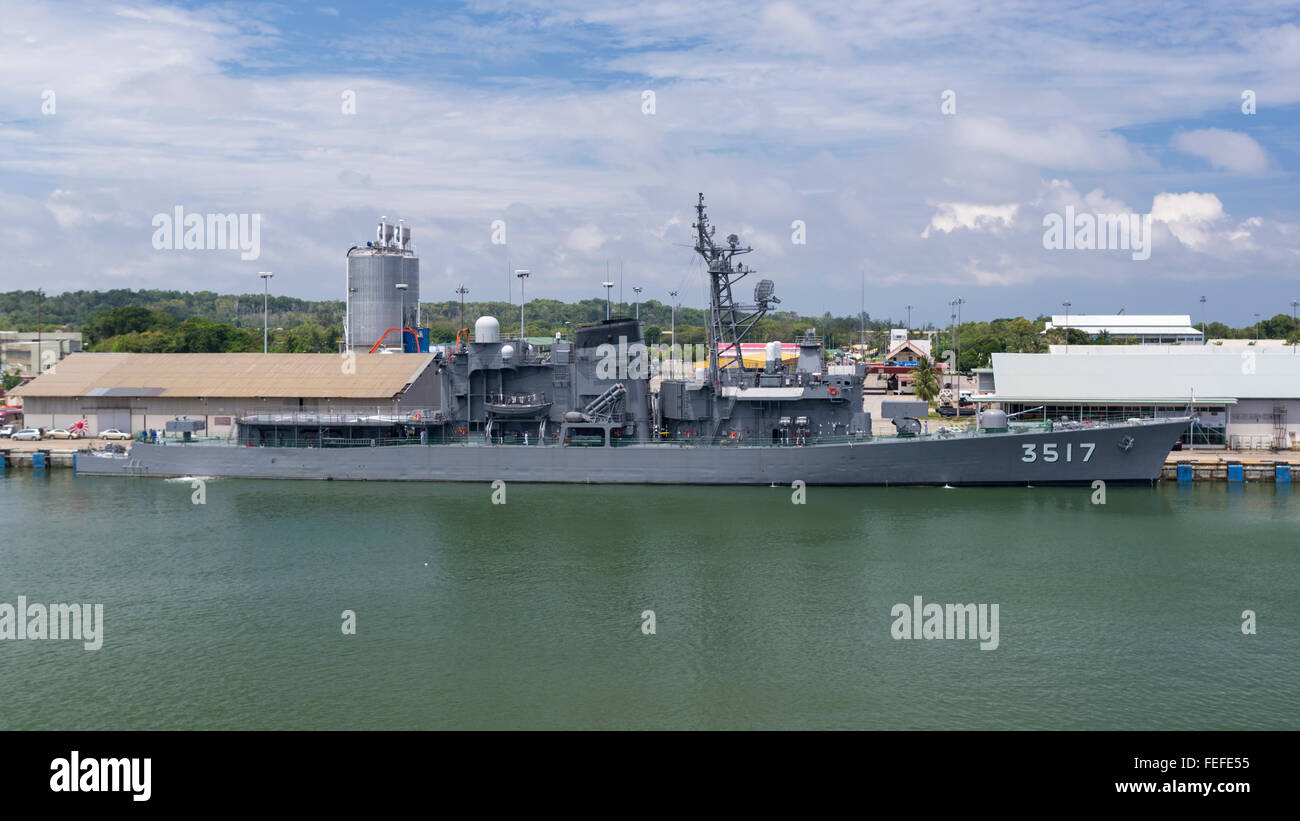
(1069, 457)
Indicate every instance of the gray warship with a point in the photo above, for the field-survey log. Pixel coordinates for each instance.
(601, 409)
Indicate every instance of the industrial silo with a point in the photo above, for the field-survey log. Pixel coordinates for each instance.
(374, 302)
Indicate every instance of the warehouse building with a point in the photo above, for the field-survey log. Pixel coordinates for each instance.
(1242, 396)
(1145, 329)
(134, 392)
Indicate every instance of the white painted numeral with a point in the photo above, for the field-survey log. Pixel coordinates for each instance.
(1090, 446)
(1049, 452)
(1030, 454)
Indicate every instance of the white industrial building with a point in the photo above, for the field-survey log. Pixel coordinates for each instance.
(1146, 329)
(1243, 396)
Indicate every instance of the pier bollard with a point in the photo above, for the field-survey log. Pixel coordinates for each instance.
(1235, 473)
(1283, 474)
(1184, 474)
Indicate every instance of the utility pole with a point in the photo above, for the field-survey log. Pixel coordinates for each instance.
(266, 290)
(909, 321)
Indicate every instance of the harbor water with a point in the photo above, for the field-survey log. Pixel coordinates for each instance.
(535, 613)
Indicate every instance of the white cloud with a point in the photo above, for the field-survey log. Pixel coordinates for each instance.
(1230, 150)
(973, 217)
(585, 238)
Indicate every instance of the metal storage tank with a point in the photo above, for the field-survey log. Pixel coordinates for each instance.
(373, 299)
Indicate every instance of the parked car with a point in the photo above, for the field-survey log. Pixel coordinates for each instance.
(113, 433)
(27, 435)
(58, 433)
(7, 431)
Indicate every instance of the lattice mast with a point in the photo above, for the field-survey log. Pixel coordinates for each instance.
(729, 321)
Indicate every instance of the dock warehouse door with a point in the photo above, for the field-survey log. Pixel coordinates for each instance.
(120, 419)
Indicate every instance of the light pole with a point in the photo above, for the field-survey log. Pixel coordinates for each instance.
(36, 363)
(637, 290)
(523, 276)
(266, 291)
(607, 285)
(1066, 303)
(462, 290)
(956, 343)
(909, 321)
(672, 324)
(1204, 330)
(1295, 330)
(348, 341)
(1256, 327)
(401, 331)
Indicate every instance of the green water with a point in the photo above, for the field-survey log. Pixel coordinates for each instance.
(768, 614)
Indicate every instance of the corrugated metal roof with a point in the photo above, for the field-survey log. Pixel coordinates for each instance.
(227, 375)
(1152, 377)
(1123, 320)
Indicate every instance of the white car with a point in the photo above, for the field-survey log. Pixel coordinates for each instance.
(8, 430)
(27, 435)
(113, 433)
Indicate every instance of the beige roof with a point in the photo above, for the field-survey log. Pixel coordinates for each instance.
(227, 375)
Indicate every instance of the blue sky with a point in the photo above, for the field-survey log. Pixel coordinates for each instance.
(532, 114)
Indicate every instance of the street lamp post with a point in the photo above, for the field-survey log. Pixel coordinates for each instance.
(1295, 330)
(36, 363)
(1066, 303)
(1204, 330)
(349, 342)
(909, 321)
(956, 344)
(401, 317)
(607, 285)
(523, 276)
(1256, 327)
(637, 290)
(462, 290)
(266, 291)
(672, 325)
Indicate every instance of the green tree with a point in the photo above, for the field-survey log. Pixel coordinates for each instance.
(926, 379)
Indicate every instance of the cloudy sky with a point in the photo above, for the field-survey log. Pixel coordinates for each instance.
(919, 147)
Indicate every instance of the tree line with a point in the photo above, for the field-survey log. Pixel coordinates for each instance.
(149, 321)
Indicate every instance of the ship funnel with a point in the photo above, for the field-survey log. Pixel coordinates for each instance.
(487, 329)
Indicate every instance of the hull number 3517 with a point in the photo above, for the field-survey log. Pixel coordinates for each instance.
(1049, 452)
